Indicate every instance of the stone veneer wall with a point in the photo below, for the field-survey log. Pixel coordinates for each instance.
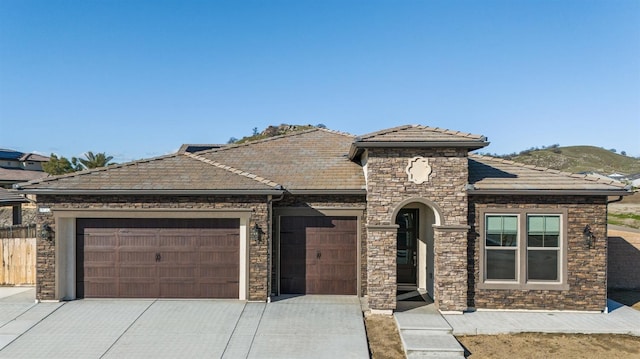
(330, 201)
(46, 256)
(587, 268)
(387, 187)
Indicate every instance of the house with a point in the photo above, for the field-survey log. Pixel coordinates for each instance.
(191, 148)
(324, 212)
(14, 200)
(16, 167)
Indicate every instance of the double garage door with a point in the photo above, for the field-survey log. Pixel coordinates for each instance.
(157, 258)
(318, 255)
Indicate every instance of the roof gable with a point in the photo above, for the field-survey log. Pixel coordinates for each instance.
(417, 136)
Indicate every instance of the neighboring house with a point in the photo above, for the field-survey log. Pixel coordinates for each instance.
(633, 179)
(191, 148)
(323, 212)
(16, 167)
(14, 200)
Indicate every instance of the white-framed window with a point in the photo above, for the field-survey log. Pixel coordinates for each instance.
(523, 249)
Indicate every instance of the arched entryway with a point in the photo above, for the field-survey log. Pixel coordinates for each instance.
(415, 244)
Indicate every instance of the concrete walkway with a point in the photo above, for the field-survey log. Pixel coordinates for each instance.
(427, 333)
(620, 320)
(303, 327)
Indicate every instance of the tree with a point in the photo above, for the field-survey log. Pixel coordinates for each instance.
(232, 140)
(92, 160)
(624, 153)
(61, 165)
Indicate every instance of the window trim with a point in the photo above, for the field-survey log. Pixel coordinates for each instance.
(521, 281)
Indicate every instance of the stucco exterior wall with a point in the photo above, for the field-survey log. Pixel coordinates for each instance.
(586, 267)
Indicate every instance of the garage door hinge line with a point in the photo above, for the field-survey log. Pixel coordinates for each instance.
(127, 328)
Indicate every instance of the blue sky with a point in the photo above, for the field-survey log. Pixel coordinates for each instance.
(137, 79)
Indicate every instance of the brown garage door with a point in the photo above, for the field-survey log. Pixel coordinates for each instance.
(318, 255)
(157, 258)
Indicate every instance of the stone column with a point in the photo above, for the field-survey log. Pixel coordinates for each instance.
(381, 267)
(450, 245)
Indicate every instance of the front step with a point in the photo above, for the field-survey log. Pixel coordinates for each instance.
(427, 335)
(430, 344)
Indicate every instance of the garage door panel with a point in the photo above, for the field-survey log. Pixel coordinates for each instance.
(137, 271)
(106, 289)
(318, 255)
(177, 259)
(101, 271)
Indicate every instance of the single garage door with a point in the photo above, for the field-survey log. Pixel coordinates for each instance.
(318, 255)
(157, 258)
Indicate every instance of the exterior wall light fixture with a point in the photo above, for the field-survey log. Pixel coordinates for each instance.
(47, 232)
(256, 233)
(589, 237)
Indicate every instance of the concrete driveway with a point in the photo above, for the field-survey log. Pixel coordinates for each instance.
(296, 327)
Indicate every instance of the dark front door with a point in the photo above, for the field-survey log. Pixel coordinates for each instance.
(407, 219)
(157, 258)
(318, 255)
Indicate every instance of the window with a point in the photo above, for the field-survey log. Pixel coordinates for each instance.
(543, 235)
(501, 245)
(523, 249)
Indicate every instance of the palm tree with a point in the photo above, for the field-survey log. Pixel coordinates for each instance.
(92, 160)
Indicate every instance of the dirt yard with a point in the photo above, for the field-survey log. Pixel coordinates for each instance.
(383, 336)
(536, 345)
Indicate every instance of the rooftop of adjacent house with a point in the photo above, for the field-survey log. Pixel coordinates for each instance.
(15, 175)
(192, 148)
(8, 198)
(311, 161)
(12, 155)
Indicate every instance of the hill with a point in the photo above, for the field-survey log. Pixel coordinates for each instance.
(578, 159)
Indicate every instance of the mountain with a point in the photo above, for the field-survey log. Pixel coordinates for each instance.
(576, 159)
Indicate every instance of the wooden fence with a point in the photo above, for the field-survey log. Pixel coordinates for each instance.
(18, 253)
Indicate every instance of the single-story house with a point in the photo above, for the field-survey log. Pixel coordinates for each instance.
(324, 212)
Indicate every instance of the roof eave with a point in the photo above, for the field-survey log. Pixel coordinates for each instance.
(358, 146)
(150, 192)
(327, 191)
(551, 192)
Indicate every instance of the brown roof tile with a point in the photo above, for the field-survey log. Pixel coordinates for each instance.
(495, 174)
(315, 159)
(20, 175)
(173, 172)
(420, 133)
(9, 197)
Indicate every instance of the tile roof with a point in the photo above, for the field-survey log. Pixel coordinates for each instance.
(419, 133)
(495, 174)
(315, 159)
(178, 172)
(8, 197)
(417, 136)
(19, 175)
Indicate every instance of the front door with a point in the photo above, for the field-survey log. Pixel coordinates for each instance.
(407, 219)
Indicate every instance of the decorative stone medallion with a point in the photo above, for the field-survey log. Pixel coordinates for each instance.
(418, 170)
